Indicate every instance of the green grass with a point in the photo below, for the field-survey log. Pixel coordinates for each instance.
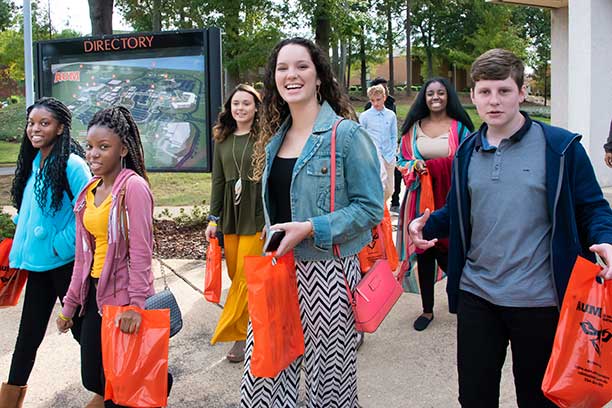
(169, 189)
(8, 153)
(12, 121)
(180, 189)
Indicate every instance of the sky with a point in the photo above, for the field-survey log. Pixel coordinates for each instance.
(74, 14)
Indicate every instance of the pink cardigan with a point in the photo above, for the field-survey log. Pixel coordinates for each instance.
(119, 284)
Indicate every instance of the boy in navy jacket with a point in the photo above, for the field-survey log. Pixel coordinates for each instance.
(524, 203)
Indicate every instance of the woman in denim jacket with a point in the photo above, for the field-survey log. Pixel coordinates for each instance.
(301, 104)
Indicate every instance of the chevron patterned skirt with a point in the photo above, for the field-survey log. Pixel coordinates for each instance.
(330, 357)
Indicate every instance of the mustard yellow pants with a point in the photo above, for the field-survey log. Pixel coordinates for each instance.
(233, 322)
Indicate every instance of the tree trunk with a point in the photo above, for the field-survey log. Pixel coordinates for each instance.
(101, 16)
(322, 29)
(335, 60)
(545, 85)
(342, 68)
(408, 51)
(156, 16)
(429, 55)
(348, 63)
(364, 66)
(391, 82)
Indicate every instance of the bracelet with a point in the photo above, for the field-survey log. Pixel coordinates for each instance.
(212, 218)
(64, 318)
(212, 223)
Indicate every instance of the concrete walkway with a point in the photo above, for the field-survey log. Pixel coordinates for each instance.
(397, 366)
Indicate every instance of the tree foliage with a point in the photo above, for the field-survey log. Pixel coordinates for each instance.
(250, 27)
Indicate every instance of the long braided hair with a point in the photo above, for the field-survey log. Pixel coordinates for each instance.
(120, 120)
(276, 110)
(53, 174)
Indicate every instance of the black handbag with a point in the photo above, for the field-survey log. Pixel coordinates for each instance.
(161, 300)
(166, 300)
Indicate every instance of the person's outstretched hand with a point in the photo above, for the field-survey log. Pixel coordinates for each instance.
(608, 159)
(416, 231)
(605, 253)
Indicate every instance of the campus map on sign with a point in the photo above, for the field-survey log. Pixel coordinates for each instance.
(166, 96)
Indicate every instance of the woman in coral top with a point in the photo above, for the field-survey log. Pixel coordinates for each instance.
(434, 127)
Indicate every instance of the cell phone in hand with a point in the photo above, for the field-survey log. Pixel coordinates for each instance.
(273, 240)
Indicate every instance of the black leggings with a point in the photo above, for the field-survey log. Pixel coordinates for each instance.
(41, 292)
(92, 371)
(395, 198)
(427, 275)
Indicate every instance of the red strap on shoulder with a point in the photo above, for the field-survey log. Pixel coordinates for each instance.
(332, 168)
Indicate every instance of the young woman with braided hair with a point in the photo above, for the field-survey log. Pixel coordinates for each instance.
(50, 171)
(101, 275)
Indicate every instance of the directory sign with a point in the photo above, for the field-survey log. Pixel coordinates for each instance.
(170, 81)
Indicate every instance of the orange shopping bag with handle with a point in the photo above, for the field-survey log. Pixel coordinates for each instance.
(212, 276)
(12, 280)
(136, 365)
(580, 368)
(275, 313)
(381, 246)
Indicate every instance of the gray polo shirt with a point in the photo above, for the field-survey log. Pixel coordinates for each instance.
(508, 262)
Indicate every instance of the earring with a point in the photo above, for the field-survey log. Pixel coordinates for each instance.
(319, 97)
(123, 162)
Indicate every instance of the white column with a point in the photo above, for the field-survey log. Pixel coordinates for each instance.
(559, 64)
(590, 78)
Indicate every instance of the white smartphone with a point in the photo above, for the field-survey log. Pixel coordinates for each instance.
(273, 240)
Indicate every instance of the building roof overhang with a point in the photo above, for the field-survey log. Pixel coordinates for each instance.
(535, 3)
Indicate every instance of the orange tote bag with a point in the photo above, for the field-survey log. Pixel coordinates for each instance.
(12, 280)
(212, 276)
(275, 313)
(381, 246)
(136, 365)
(579, 372)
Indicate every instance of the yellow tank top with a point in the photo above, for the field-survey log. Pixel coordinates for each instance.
(95, 220)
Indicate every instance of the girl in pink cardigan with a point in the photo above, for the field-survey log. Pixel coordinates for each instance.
(108, 270)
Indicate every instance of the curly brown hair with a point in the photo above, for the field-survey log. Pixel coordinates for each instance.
(226, 124)
(276, 110)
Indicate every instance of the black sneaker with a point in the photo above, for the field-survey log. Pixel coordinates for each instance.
(421, 323)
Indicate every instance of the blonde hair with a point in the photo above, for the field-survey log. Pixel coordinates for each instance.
(376, 90)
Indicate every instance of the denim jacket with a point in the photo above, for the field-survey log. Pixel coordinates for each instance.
(359, 194)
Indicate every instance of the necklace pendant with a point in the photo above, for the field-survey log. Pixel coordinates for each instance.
(237, 191)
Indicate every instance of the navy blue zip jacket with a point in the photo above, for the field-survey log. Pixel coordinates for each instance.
(579, 213)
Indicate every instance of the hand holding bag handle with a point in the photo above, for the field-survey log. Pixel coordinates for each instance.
(378, 290)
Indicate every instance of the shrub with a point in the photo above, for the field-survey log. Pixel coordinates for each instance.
(7, 227)
(196, 217)
(258, 85)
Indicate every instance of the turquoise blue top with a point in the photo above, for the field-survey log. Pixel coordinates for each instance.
(40, 231)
